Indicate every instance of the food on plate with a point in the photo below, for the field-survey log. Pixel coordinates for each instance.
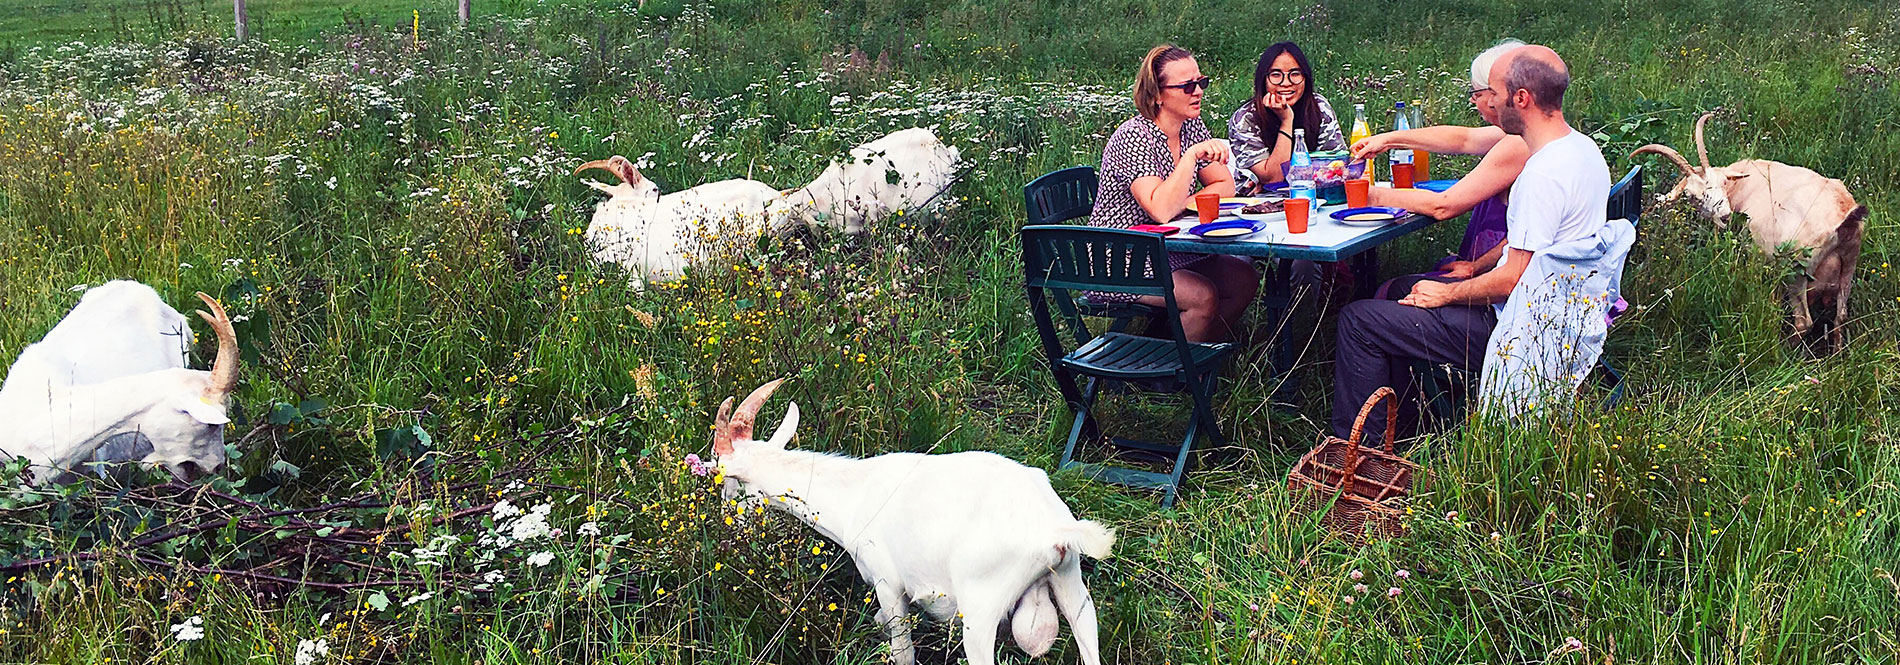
(1226, 232)
(1265, 207)
(1367, 217)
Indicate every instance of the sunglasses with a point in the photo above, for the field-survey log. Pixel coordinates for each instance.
(1191, 85)
(1474, 92)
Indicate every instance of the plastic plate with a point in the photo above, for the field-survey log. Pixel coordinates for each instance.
(1369, 216)
(1221, 231)
(1435, 185)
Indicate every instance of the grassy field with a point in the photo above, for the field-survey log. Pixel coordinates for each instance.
(390, 206)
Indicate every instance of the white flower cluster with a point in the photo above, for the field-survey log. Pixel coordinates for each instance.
(310, 651)
(192, 630)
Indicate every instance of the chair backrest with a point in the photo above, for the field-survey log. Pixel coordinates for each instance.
(1065, 257)
(1060, 196)
(1626, 196)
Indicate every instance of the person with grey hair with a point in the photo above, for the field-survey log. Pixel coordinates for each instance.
(1484, 192)
(1557, 200)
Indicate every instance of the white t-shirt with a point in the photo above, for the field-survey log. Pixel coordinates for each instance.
(1562, 195)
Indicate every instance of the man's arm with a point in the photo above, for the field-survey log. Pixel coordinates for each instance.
(1491, 287)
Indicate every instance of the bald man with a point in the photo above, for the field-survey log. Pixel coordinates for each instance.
(1560, 197)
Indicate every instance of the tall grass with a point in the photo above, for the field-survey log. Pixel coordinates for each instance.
(392, 211)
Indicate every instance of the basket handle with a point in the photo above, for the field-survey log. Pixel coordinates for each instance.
(1390, 398)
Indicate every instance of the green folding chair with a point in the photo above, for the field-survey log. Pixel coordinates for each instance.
(1059, 197)
(1064, 259)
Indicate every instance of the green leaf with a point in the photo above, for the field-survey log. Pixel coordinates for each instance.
(378, 601)
(282, 413)
(311, 406)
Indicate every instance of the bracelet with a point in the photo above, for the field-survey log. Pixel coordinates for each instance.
(1289, 137)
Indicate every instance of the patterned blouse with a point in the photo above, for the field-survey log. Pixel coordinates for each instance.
(1251, 146)
(1139, 149)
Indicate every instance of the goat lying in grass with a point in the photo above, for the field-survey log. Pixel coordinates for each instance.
(108, 384)
(908, 169)
(972, 533)
(650, 234)
(1787, 207)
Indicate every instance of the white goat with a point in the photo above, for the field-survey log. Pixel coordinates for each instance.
(653, 235)
(971, 533)
(906, 170)
(107, 384)
(1787, 206)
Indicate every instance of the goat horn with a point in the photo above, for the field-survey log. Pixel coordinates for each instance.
(722, 438)
(740, 427)
(1701, 149)
(224, 369)
(1666, 151)
(602, 164)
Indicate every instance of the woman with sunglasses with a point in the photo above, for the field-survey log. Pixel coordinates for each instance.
(1151, 169)
(1484, 192)
(1283, 100)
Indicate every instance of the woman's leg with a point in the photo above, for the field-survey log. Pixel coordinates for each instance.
(1237, 283)
(1198, 301)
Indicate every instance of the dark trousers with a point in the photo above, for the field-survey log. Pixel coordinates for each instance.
(1380, 339)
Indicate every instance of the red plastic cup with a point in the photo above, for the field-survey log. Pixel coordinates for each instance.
(1208, 205)
(1402, 176)
(1358, 193)
(1296, 209)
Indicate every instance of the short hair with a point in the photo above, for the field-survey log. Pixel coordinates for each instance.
(1481, 65)
(1148, 79)
(1545, 82)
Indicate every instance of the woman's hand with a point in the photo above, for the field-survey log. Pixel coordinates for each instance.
(1211, 150)
(1371, 145)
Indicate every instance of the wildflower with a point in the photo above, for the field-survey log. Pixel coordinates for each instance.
(1393, 592)
(589, 529)
(417, 598)
(494, 577)
(1403, 574)
(1346, 599)
(309, 651)
(698, 467)
(1495, 536)
(192, 630)
(1356, 574)
(540, 559)
(1359, 589)
(1453, 515)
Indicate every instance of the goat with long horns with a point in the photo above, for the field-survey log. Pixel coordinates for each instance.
(1786, 206)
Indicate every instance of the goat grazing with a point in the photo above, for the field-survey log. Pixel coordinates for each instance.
(1787, 206)
(108, 384)
(905, 170)
(971, 533)
(651, 234)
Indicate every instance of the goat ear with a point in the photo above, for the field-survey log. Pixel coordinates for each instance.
(204, 412)
(787, 428)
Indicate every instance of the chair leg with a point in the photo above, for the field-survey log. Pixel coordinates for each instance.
(1084, 420)
(1613, 380)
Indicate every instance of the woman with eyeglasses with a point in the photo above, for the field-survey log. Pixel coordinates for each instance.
(1484, 192)
(1283, 100)
(1151, 169)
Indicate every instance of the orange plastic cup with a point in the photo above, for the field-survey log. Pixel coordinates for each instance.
(1358, 192)
(1402, 176)
(1208, 205)
(1296, 209)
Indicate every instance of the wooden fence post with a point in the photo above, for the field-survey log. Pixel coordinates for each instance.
(243, 21)
(461, 11)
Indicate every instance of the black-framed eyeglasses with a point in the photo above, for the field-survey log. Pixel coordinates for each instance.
(1285, 76)
(1190, 85)
(1474, 92)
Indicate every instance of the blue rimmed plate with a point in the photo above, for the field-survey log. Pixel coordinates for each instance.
(1435, 185)
(1369, 216)
(1224, 231)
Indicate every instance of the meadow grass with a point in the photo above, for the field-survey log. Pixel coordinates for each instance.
(391, 208)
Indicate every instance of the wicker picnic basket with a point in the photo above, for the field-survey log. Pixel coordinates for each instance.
(1370, 484)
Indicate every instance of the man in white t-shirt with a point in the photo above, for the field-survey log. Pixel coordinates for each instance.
(1559, 197)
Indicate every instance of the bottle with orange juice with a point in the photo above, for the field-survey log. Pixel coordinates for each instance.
(1421, 160)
